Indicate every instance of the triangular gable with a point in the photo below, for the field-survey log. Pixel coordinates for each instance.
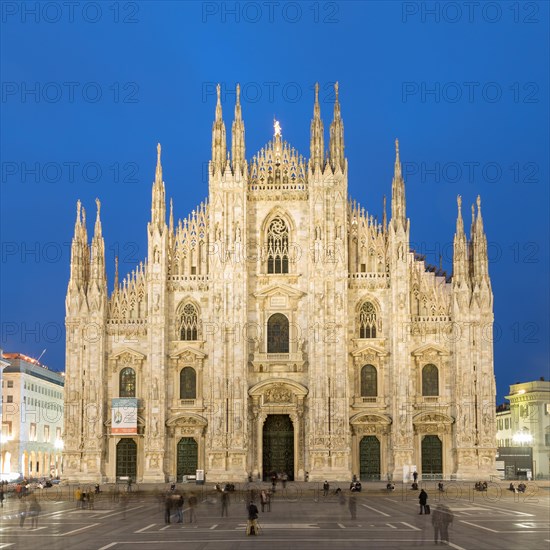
(428, 349)
(136, 355)
(369, 348)
(279, 289)
(186, 351)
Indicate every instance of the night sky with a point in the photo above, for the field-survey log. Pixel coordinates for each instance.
(89, 90)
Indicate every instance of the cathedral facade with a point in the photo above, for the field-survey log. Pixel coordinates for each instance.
(279, 328)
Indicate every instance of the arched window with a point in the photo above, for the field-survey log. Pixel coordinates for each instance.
(277, 247)
(430, 380)
(188, 383)
(367, 321)
(188, 322)
(369, 381)
(277, 334)
(127, 382)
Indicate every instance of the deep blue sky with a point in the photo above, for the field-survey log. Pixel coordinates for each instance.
(155, 66)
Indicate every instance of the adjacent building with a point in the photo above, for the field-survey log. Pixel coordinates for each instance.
(32, 418)
(523, 430)
(280, 327)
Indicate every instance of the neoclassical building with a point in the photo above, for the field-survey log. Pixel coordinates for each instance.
(279, 327)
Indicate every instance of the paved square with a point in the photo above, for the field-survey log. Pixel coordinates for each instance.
(300, 517)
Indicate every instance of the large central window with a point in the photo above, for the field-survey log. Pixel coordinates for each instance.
(277, 334)
(277, 246)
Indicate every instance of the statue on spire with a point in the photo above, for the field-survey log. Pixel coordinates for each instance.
(277, 128)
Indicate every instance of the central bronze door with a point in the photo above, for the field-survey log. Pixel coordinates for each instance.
(278, 446)
(188, 457)
(369, 458)
(432, 456)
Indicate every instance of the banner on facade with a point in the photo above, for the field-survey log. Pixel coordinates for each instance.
(124, 415)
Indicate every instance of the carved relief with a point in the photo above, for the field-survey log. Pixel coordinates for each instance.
(278, 393)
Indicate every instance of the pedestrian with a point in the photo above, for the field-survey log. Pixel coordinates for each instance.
(179, 508)
(2, 496)
(225, 503)
(34, 511)
(263, 499)
(306, 477)
(326, 488)
(91, 497)
(192, 505)
(441, 519)
(273, 483)
(123, 504)
(352, 505)
(22, 512)
(167, 508)
(415, 476)
(78, 497)
(252, 524)
(423, 499)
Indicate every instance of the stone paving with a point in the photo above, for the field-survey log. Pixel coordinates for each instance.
(300, 516)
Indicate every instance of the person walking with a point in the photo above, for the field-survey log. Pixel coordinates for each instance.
(225, 504)
(2, 496)
(22, 512)
(263, 499)
(415, 476)
(167, 508)
(78, 497)
(179, 508)
(326, 488)
(34, 511)
(192, 506)
(252, 524)
(441, 519)
(352, 505)
(423, 499)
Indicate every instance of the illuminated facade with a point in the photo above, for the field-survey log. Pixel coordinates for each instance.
(280, 327)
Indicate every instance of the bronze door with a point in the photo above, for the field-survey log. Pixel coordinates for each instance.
(126, 458)
(432, 455)
(369, 458)
(278, 446)
(188, 457)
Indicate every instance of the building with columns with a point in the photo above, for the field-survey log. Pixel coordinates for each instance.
(32, 418)
(279, 327)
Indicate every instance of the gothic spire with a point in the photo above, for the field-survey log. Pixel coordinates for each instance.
(398, 214)
(336, 146)
(384, 216)
(97, 262)
(116, 275)
(171, 218)
(158, 203)
(480, 259)
(219, 143)
(460, 250)
(78, 247)
(237, 134)
(317, 144)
